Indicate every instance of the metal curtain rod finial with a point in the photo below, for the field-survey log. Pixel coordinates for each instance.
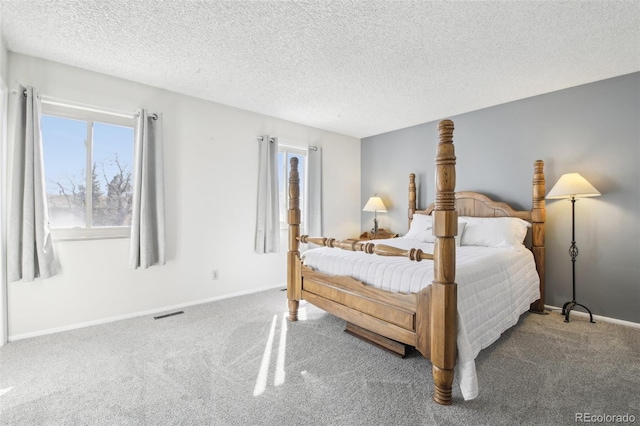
(154, 116)
(15, 92)
(24, 92)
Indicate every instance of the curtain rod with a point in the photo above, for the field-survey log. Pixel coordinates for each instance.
(260, 138)
(69, 104)
(311, 147)
(154, 116)
(60, 102)
(15, 92)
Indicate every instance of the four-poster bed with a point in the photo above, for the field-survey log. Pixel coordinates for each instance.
(426, 319)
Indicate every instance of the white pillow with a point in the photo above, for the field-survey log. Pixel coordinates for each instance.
(461, 226)
(494, 231)
(422, 229)
(421, 226)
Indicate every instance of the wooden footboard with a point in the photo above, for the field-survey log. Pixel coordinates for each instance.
(389, 314)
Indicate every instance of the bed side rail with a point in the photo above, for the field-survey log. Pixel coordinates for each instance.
(369, 248)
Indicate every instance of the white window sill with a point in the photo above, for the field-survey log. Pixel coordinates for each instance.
(80, 234)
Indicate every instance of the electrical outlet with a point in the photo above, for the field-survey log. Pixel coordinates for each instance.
(214, 274)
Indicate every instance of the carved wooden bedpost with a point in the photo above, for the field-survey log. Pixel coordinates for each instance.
(294, 286)
(412, 196)
(444, 298)
(538, 217)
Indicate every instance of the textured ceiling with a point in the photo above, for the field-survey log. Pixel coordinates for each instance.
(358, 68)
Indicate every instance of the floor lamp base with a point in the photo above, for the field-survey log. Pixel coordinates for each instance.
(567, 307)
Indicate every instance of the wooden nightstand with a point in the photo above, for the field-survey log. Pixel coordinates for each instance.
(382, 234)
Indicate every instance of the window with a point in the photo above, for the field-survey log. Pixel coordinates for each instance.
(285, 154)
(88, 163)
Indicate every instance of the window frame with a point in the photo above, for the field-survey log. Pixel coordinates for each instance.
(89, 116)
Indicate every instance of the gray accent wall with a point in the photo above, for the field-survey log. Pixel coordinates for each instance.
(593, 129)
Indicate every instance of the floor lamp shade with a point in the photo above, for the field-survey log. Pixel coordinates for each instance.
(572, 186)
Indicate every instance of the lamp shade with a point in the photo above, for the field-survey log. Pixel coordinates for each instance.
(374, 204)
(572, 185)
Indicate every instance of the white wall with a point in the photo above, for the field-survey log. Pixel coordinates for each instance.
(210, 172)
(3, 59)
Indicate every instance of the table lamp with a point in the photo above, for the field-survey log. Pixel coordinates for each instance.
(375, 205)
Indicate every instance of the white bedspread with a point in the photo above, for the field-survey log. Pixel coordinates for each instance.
(495, 286)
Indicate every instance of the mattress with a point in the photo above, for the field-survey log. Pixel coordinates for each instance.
(495, 286)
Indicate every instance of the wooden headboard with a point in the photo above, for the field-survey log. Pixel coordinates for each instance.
(476, 204)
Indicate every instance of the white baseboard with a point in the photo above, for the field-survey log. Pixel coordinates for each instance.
(242, 293)
(13, 338)
(596, 317)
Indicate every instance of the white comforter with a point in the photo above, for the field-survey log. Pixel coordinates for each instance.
(495, 286)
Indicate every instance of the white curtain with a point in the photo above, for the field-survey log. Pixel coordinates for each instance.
(313, 209)
(4, 317)
(30, 249)
(268, 213)
(147, 245)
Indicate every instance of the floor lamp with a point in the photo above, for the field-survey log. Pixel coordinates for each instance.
(572, 186)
